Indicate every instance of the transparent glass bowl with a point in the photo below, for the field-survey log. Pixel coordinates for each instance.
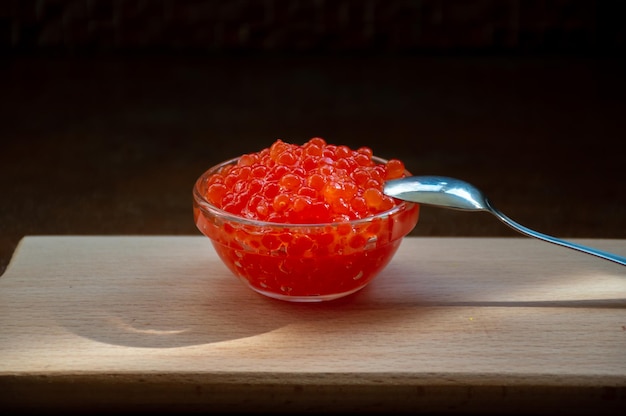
(302, 262)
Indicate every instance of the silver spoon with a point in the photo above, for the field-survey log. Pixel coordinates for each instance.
(453, 193)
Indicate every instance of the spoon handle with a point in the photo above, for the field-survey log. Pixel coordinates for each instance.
(531, 233)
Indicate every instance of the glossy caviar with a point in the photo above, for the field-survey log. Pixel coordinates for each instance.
(312, 183)
(303, 223)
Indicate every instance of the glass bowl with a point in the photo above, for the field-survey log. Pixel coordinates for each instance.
(302, 262)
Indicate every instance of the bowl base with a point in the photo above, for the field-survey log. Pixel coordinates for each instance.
(303, 299)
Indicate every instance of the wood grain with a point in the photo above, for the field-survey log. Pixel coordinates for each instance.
(456, 325)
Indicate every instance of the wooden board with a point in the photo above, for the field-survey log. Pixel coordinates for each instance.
(456, 325)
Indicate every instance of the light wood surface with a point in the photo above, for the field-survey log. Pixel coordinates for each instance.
(455, 325)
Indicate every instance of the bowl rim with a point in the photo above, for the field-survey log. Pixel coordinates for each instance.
(205, 205)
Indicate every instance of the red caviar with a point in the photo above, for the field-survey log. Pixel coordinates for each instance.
(309, 222)
(313, 183)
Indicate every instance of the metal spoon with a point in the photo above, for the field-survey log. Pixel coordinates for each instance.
(453, 193)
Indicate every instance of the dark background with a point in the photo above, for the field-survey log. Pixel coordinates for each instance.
(111, 109)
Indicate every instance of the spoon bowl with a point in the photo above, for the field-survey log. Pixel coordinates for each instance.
(457, 194)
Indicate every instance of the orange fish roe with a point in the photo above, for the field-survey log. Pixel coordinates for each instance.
(311, 221)
(313, 183)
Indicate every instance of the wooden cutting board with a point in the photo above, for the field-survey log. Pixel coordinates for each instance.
(455, 325)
